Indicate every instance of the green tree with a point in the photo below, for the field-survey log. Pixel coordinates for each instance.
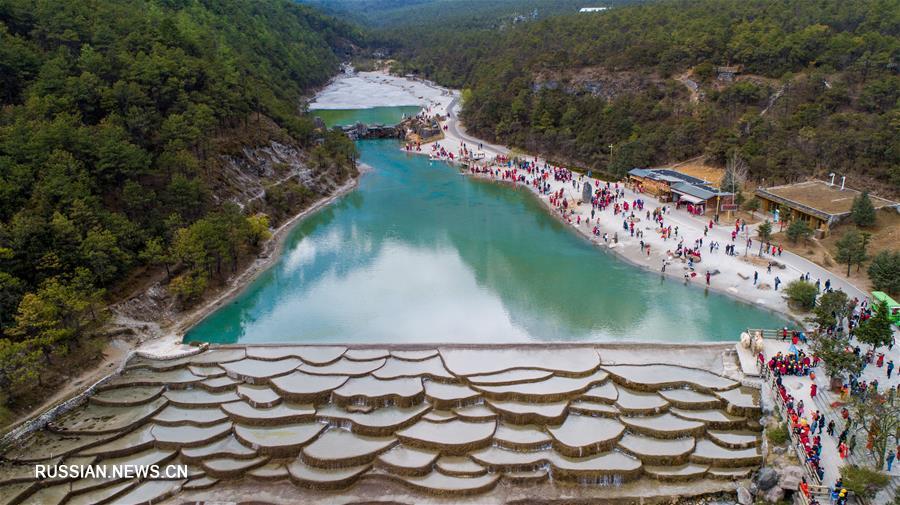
(837, 358)
(802, 294)
(752, 205)
(797, 230)
(831, 309)
(189, 287)
(56, 314)
(884, 271)
(876, 331)
(764, 232)
(851, 248)
(258, 229)
(11, 291)
(155, 253)
(863, 212)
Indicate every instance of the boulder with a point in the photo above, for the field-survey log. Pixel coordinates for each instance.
(790, 478)
(744, 497)
(766, 478)
(773, 495)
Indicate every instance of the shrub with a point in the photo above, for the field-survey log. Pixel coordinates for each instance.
(863, 481)
(777, 435)
(801, 294)
(189, 287)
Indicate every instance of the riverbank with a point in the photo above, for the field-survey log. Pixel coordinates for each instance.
(172, 341)
(730, 275)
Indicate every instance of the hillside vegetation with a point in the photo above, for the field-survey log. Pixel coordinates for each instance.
(112, 116)
(450, 14)
(818, 90)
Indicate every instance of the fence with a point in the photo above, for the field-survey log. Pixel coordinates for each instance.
(812, 476)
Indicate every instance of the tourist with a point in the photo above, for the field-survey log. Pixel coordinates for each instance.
(890, 460)
(755, 277)
(843, 450)
(890, 368)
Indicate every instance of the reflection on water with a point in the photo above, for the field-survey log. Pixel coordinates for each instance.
(420, 253)
(370, 116)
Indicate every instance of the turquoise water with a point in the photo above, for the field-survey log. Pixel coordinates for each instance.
(374, 115)
(420, 253)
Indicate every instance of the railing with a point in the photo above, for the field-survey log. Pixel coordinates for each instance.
(813, 477)
(814, 490)
(766, 333)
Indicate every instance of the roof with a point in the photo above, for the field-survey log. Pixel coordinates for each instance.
(697, 191)
(819, 198)
(679, 182)
(640, 172)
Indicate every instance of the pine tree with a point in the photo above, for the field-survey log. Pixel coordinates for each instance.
(863, 212)
(876, 331)
(851, 248)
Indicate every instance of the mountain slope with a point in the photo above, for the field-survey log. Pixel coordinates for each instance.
(121, 126)
(817, 93)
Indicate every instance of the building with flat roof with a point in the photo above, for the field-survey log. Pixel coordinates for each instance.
(821, 204)
(669, 185)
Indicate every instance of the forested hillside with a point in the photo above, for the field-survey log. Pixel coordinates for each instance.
(817, 91)
(450, 14)
(115, 116)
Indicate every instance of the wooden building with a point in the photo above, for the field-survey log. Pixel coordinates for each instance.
(669, 185)
(820, 204)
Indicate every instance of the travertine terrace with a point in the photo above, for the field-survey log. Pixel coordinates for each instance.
(277, 423)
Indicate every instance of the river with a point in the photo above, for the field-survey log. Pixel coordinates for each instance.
(420, 253)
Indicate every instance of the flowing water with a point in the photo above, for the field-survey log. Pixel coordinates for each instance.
(420, 253)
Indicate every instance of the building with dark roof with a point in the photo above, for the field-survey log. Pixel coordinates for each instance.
(669, 185)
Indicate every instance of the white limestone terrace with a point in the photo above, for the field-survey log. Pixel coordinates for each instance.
(474, 424)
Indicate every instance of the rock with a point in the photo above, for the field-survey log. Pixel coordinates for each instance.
(766, 478)
(779, 449)
(744, 497)
(586, 193)
(790, 478)
(773, 495)
(754, 489)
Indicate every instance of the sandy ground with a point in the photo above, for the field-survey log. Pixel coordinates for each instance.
(377, 89)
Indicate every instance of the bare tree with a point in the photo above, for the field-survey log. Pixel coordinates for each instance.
(736, 171)
(877, 417)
